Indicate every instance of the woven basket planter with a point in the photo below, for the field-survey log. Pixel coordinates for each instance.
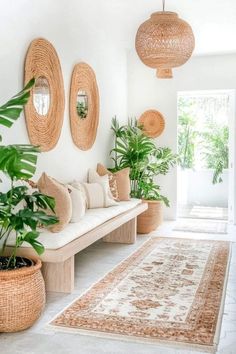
(22, 297)
(150, 219)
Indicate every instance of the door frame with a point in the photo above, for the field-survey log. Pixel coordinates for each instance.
(232, 145)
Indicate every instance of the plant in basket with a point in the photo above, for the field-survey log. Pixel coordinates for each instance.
(22, 292)
(146, 161)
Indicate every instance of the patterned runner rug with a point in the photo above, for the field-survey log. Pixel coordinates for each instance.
(201, 226)
(169, 291)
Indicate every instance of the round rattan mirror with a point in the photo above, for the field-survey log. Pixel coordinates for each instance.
(45, 109)
(84, 106)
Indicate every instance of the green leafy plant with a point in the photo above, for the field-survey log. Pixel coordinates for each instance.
(82, 110)
(21, 211)
(215, 149)
(187, 135)
(135, 150)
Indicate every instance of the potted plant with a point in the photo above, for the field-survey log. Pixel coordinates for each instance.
(135, 150)
(22, 290)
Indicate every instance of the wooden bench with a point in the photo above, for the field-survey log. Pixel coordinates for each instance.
(58, 264)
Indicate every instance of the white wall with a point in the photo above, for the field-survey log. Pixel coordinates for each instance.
(145, 91)
(78, 30)
(195, 187)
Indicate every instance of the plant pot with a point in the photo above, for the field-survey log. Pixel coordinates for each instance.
(22, 297)
(150, 219)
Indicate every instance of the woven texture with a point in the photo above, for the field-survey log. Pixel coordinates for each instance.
(151, 218)
(22, 297)
(164, 42)
(153, 123)
(42, 61)
(84, 131)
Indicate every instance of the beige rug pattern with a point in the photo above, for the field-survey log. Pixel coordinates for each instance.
(201, 226)
(169, 290)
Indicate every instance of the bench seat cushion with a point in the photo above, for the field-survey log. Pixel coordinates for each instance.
(92, 219)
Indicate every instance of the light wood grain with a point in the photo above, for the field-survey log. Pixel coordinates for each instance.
(124, 234)
(59, 277)
(58, 264)
(80, 243)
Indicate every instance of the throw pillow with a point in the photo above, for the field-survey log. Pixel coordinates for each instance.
(122, 180)
(97, 194)
(93, 177)
(78, 203)
(101, 170)
(60, 193)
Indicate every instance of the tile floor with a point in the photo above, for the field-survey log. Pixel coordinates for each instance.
(202, 212)
(92, 264)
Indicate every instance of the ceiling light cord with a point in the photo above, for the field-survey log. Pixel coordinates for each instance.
(163, 5)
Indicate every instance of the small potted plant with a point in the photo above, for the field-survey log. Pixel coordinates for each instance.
(22, 290)
(135, 150)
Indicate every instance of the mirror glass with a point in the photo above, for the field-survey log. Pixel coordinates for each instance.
(41, 96)
(82, 104)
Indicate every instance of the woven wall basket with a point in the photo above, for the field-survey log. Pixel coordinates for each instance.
(152, 122)
(22, 297)
(84, 131)
(42, 62)
(164, 42)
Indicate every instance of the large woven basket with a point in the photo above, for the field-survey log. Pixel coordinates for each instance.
(150, 219)
(22, 297)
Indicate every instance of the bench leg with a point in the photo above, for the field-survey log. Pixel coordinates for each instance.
(59, 277)
(126, 233)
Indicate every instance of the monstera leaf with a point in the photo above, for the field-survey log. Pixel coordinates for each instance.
(18, 161)
(11, 110)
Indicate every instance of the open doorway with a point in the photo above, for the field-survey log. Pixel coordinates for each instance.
(203, 147)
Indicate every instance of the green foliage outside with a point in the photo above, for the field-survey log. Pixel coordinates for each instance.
(82, 110)
(20, 211)
(215, 150)
(209, 142)
(135, 150)
(187, 135)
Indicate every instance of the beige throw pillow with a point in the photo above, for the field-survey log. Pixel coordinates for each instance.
(101, 170)
(97, 194)
(60, 193)
(78, 203)
(122, 181)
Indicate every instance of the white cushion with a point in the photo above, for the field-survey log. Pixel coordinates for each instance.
(92, 219)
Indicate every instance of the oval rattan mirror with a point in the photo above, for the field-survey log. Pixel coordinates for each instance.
(45, 109)
(84, 106)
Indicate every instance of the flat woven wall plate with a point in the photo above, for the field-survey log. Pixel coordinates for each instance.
(45, 109)
(84, 129)
(153, 123)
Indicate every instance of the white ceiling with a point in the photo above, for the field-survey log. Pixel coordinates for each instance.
(213, 21)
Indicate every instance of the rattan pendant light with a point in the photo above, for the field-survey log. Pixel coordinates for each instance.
(164, 42)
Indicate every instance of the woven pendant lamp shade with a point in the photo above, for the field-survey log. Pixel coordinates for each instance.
(164, 42)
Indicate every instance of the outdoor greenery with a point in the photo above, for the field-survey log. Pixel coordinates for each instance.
(208, 142)
(187, 135)
(215, 150)
(135, 150)
(20, 210)
(82, 110)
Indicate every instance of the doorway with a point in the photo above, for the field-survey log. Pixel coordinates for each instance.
(205, 148)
